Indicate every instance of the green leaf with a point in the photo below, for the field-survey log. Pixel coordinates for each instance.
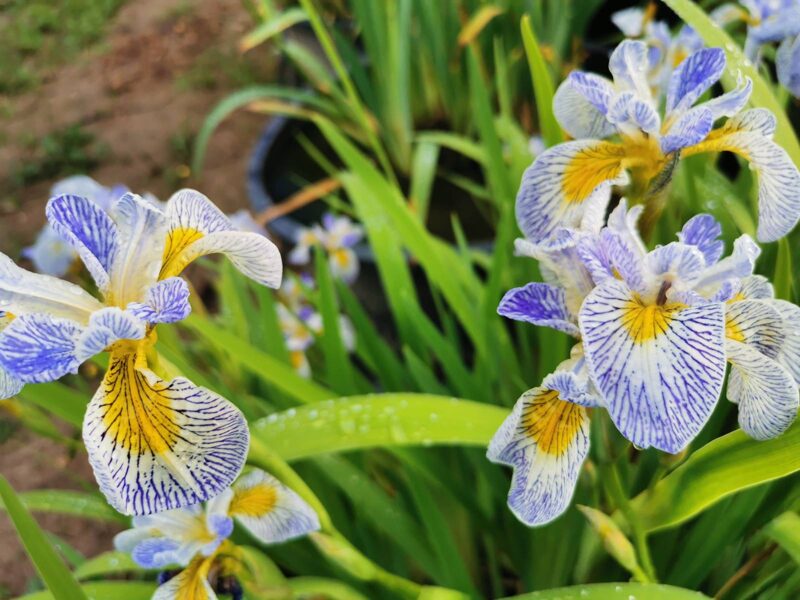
(68, 502)
(314, 587)
(785, 529)
(378, 420)
(107, 563)
(782, 279)
(272, 27)
(723, 467)
(260, 364)
(762, 96)
(44, 557)
(612, 591)
(542, 86)
(59, 399)
(103, 590)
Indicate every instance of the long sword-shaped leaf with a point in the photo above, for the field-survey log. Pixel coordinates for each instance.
(378, 420)
(723, 467)
(44, 557)
(609, 591)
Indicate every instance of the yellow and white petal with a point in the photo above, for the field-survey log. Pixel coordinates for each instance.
(189, 584)
(789, 355)
(755, 287)
(141, 228)
(156, 445)
(755, 323)
(545, 440)
(566, 181)
(269, 510)
(198, 228)
(749, 134)
(659, 367)
(766, 393)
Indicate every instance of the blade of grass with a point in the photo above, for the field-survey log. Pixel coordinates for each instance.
(542, 86)
(48, 563)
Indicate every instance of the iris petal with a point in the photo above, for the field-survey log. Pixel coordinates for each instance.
(157, 445)
(189, 584)
(167, 302)
(755, 323)
(778, 177)
(36, 348)
(659, 368)
(578, 116)
(90, 231)
(693, 77)
(198, 228)
(269, 510)
(765, 392)
(540, 304)
(24, 292)
(545, 440)
(789, 354)
(703, 231)
(562, 183)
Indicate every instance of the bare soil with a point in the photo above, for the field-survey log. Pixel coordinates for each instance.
(127, 93)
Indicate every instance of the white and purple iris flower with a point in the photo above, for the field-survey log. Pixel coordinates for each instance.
(622, 138)
(338, 236)
(770, 22)
(154, 444)
(191, 538)
(655, 331)
(301, 324)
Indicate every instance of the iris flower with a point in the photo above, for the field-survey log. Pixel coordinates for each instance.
(301, 325)
(337, 235)
(771, 21)
(154, 445)
(194, 537)
(570, 184)
(655, 331)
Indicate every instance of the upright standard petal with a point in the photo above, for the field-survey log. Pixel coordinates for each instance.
(89, 230)
(765, 392)
(545, 440)
(693, 77)
(778, 177)
(269, 510)
(659, 368)
(560, 183)
(703, 231)
(142, 228)
(629, 64)
(540, 304)
(23, 292)
(631, 115)
(579, 117)
(198, 228)
(157, 445)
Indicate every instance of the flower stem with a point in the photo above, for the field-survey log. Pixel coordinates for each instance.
(329, 541)
(617, 492)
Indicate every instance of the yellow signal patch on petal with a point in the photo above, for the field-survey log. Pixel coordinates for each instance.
(733, 331)
(645, 322)
(178, 240)
(189, 584)
(157, 445)
(255, 501)
(589, 167)
(551, 422)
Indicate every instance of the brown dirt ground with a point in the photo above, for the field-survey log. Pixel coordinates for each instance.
(125, 92)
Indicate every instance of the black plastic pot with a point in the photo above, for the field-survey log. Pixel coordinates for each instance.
(279, 159)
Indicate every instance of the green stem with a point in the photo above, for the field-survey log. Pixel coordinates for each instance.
(329, 541)
(620, 498)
